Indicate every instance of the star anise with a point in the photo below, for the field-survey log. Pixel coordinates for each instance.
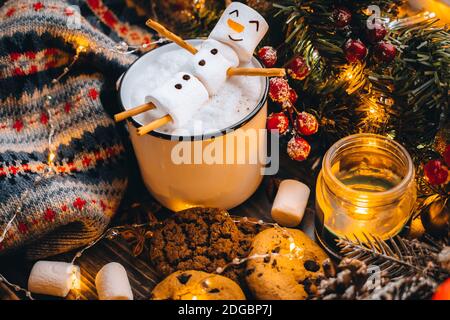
(136, 236)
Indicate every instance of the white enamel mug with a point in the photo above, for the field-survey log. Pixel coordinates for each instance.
(178, 186)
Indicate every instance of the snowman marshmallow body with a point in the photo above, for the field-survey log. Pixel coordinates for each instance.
(180, 97)
(211, 63)
(241, 28)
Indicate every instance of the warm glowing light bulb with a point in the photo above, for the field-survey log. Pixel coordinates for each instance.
(81, 49)
(51, 157)
(76, 281)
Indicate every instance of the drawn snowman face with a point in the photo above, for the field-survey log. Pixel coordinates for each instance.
(242, 28)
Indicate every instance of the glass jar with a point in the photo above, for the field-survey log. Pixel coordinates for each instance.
(366, 186)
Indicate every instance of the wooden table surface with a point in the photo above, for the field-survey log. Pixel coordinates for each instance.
(142, 276)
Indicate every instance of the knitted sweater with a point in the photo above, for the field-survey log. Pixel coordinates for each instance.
(73, 206)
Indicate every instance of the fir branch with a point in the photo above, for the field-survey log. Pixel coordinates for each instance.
(407, 99)
(420, 78)
(345, 97)
(316, 15)
(397, 257)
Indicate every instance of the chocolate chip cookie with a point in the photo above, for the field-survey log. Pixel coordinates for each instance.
(201, 239)
(289, 268)
(197, 285)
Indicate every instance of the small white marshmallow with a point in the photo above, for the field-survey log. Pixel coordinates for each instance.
(112, 283)
(53, 278)
(290, 203)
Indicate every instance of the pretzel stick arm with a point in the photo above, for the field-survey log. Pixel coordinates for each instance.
(257, 72)
(134, 112)
(171, 36)
(154, 125)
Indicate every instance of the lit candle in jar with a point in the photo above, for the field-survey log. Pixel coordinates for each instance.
(366, 186)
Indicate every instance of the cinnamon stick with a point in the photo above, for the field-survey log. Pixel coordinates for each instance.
(171, 36)
(134, 112)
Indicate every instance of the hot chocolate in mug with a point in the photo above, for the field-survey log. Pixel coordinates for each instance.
(218, 159)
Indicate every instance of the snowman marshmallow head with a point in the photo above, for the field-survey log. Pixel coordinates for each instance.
(242, 28)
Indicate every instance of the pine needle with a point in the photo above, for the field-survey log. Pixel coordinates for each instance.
(397, 257)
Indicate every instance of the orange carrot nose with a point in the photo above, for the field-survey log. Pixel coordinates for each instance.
(235, 26)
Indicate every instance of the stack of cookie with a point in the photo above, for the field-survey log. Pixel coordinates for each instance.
(202, 239)
(193, 246)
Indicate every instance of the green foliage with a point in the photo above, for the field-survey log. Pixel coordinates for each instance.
(421, 78)
(407, 99)
(396, 257)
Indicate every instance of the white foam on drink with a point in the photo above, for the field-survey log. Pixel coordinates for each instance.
(237, 98)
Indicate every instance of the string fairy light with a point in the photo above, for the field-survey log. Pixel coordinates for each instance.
(121, 48)
(50, 169)
(16, 287)
(353, 76)
(295, 252)
(126, 49)
(375, 110)
(82, 45)
(203, 286)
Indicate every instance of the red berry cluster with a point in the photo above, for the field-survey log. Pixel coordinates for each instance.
(355, 49)
(282, 93)
(297, 68)
(303, 123)
(436, 171)
(298, 148)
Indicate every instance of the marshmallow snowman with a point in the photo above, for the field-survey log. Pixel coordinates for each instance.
(180, 97)
(233, 41)
(211, 63)
(242, 28)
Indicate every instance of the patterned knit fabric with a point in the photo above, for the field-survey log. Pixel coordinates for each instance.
(75, 205)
